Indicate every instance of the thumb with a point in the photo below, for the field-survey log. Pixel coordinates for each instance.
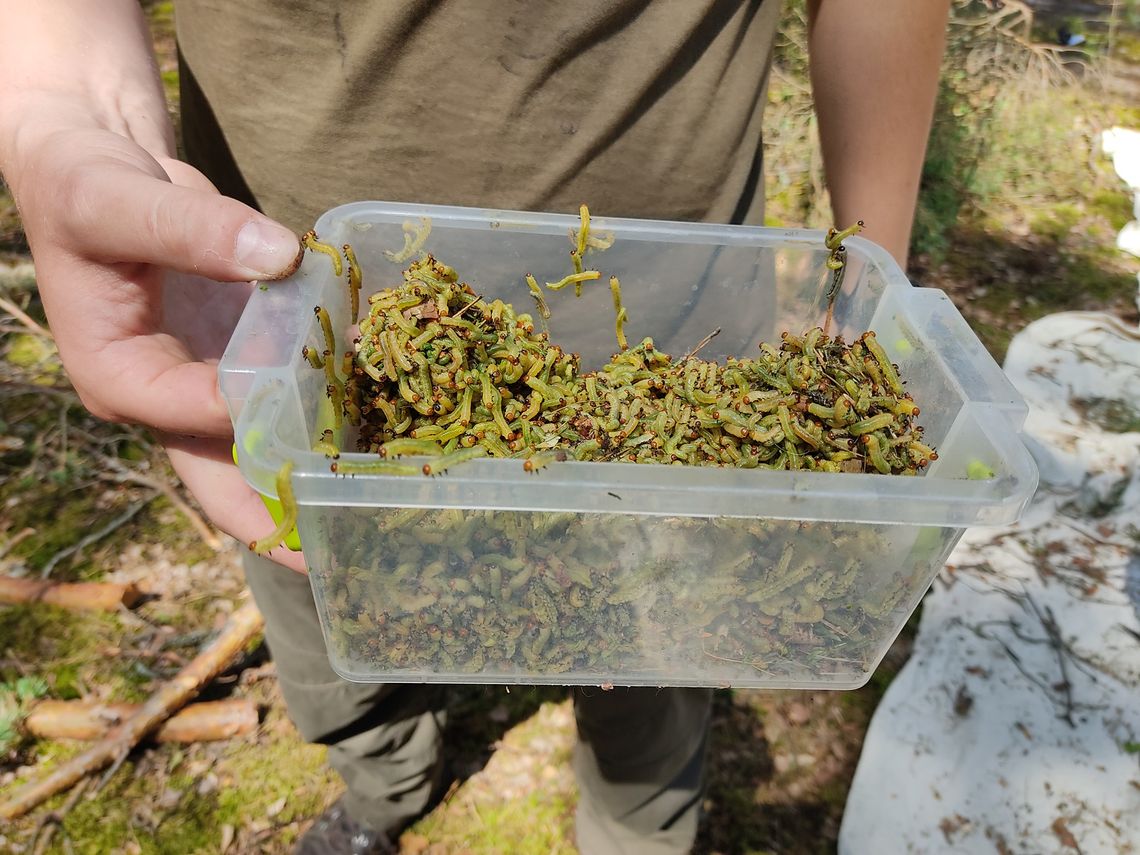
(119, 213)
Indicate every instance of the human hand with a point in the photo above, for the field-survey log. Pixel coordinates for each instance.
(131, 251)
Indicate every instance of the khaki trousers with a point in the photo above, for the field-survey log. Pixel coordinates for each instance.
(639, 759)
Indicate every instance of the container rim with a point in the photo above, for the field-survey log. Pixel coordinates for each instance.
(621, 487)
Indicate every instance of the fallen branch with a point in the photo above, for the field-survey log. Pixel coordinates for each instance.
(124, 473)
(85, 596)
(87, 720)
(95, 536)
(25, 319)
(10, 543)
(52, 821)
(242, 627)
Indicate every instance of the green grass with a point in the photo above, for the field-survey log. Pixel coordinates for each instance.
(479, 820)
(157, 803)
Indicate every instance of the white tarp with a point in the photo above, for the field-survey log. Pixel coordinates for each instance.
(1015, 725)
(1123, 146)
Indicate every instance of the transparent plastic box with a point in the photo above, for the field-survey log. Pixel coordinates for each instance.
(620, 573)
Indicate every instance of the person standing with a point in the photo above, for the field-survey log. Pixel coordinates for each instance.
(648, 109)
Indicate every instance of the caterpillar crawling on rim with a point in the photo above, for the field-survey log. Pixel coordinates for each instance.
(439, 371)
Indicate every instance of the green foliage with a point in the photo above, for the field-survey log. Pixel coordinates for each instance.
(1056, 222)
(957, 142)
(980, 135)
(793, 165)
(1114, 204)
(16, 698)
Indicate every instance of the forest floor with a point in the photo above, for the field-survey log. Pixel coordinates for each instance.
(1018, 219)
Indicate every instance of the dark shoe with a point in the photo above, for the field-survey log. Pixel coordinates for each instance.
(336, 833)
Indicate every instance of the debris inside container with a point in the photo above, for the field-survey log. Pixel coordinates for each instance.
(435, 361)
(501, 593)
(439, 372)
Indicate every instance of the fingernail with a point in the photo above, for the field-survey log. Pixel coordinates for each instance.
(265, 249)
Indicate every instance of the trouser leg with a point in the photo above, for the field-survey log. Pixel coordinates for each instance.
(640, 764)
(385, 740)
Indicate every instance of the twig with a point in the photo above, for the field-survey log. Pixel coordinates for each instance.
(1095, 538)
(701, 344)
(62, 451)
(22, 534)
(1040, 683)
(19, 387)
(474, 300)
(110, 773)
(87, 540)
(124, 473)
(1049, 623)
(52, 821)
(240, 629)
(20, 315)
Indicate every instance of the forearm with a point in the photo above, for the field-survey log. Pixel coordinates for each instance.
(82, 63)
(874, 72)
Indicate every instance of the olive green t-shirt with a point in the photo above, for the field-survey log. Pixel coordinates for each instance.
(648, 108)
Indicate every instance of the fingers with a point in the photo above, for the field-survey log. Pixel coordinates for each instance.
(113, 211)
(207, 470)
(107, 222)
(158, 386)
(185, 175)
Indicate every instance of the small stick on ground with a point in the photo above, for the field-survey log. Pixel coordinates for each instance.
(242, 627)
(52, 821)
(95, 536)
(124, 473)
(83, 596)
(22, 534)
(25, 319)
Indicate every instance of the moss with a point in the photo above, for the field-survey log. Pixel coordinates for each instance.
(58, 513)
(105, 823)
(12, 238)
(170, 85)
(1114, 205)
(1011, 281)
(163, 524)
(536, 823)
(61, 512)
(32, 351)
(63, 507)
(251, 778)
(1056, 221)
(1126, 47)
(1129, 117)
(541, 821)
(1096, 275)
(65, 649)
(161, 15)
(995, 338)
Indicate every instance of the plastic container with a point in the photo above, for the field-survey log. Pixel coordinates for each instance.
(596, 573)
